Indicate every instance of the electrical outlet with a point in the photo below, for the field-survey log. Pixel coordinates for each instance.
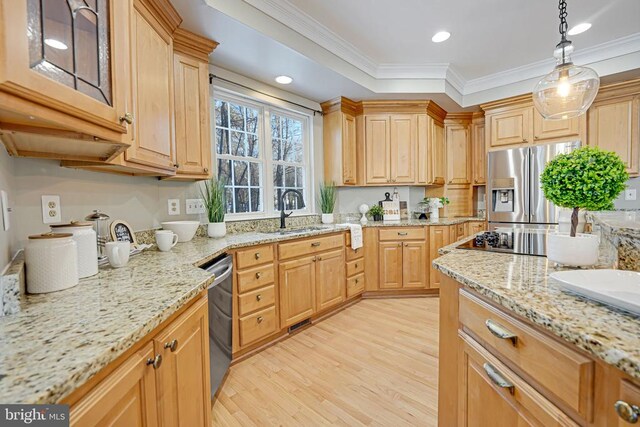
(51, 209)
(195, 206)
(4, 204)
(630, 194)
(174, 206)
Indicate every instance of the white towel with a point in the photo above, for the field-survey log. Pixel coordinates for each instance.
(356, 235)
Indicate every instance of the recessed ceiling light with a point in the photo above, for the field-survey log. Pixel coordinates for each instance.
(284, 80)
(580, 28)
(440, 37)
(56, 44)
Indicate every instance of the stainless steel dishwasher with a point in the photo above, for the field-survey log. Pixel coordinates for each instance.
(220, 310)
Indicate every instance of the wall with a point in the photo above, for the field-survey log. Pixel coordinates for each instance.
(350, 198)
(6, 184)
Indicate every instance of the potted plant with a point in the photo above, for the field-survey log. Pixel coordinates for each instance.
(587, 178)
(327, 201)
(376, 212)
(213, 196)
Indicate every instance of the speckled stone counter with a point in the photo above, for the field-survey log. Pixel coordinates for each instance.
(522, 285)
(621, 231)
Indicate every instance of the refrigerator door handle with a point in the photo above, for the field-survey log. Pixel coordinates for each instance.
(526, 184)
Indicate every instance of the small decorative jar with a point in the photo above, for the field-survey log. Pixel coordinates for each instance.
(85, 238)
(51, 262)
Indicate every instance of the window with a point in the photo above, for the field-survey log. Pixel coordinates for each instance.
(261, 151)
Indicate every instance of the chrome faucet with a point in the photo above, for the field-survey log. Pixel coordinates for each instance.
(284, 215)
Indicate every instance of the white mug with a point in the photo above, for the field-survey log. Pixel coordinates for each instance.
(166, 239)
(118, 253)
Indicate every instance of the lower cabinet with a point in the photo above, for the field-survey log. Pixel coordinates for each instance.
(439, 236)
(403, 265)
(165, 382)
(297, 290)
(330, 279)
(476, 227)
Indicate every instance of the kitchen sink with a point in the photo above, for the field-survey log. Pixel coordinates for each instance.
(302, 230)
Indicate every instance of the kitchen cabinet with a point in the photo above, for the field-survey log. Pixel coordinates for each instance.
(614, 123)
(476, 227)
(431, 151)
(297, 280)
(339, 141)
(403, 261)
(439, 236)
(390, 259)
(330, 279)
(514, 126)
(163, 382)
(627, 397)
(377, 149)
(64, 97)
(458, 155)
(403, 148)
(479, 154)
(355, 267)
(546, 130)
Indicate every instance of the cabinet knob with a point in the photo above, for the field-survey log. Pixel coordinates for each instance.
(176, 165)
(357, 280)
(257, 255)
(319, 258)
(406, 244)
(155, 362)
(525, 140)
(258, 275)
(536, 138)
(399, 245)
(259, 319)
(628, 412)
(259, 297)
(356, 265)
(206, 170)
(314, 259)
(126, 118)
(172, 345)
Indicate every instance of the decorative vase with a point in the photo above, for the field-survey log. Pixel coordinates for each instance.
(216, 229)
(564, 221)
(579, 251)
(435, 214)
(327, 218)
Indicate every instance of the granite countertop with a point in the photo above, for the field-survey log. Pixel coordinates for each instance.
(521, 284)
(58, 341)
(622, 222)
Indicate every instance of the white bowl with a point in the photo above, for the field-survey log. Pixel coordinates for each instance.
(184, 229)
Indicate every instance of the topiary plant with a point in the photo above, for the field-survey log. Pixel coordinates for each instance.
(586, 178)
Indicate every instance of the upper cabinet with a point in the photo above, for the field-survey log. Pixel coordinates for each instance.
(64, 78)
(339, 141)
(403, 148)
(479, 155)
(458, 144)
(614, 121)
(377, 137)
(514, 126)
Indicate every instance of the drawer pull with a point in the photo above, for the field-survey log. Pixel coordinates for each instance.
(357, 280)
(259, 319)
(500, 332)
(403, 233)
(172, 345)
(258, 275)
(257, 255)
(628, 412)
(155, 362)
(258, 297)
(356, 265)
(315, 244)
(497, 378)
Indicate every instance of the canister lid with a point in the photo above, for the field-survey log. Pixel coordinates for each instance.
(51, 236)
(73, 224)
(97, 215)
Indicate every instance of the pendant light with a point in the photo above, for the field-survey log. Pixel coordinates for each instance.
(568, 90)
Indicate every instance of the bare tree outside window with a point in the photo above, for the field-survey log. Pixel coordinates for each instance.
(287, 149)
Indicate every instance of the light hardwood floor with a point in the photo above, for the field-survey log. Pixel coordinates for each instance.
(373, 364)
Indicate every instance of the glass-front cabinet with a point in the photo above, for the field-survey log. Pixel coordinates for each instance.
(64, 60)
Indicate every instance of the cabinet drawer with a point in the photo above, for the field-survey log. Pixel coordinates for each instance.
(403, 233)
(355, 267)
(254, 256)
(354, 253)
(460, 231)
(256, 300)
(310, 246)
(562, 371)
(355, 285)
(257, 326)
(255, 278)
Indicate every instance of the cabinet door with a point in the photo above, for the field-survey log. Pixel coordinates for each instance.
(349, 155)
(414, 265)
(613, 126)
(330, 279)
(476, 227)
(125, 398)
(422, 142)
(152, 81)
(390, 265)
(479, 155)
(629, 394)
(377, 149)
(297, 290)
(403, 148)
(511, 127)
(184, 390)
(437, 153)
(438, 237)
(193, 135)
(458, 154)
(555, 129)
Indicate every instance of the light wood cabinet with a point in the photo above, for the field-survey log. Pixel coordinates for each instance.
(628, 394)
(614, 126)
(458, 156)
(339, 141)
(390, 260)
(555, 129)
(438, 237)
(476, 227)
(479, 154)
(330, 279)
(403, 148)
(511, 127)
(431, 151)
(297, 281)
(403, 264)
(377, 149)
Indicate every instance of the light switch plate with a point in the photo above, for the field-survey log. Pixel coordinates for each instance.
(630, 194)
(51, 209)
(4, 205)
(195, 206)
(174, 206)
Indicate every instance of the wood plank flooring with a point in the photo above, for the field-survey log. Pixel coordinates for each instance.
(373, 364)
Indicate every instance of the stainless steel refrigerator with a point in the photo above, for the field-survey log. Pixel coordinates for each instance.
(514, 194)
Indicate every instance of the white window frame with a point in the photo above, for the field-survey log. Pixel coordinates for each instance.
(266, 156)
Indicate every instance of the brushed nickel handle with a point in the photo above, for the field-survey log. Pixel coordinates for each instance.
(257, 255)
(155, 362)
(259, 297)
(260, 319)
(172, 345)
(404, 233)
(258, 275)
(497, 378)
(628, 412)
(127, 117)
(315, 244)
(501, 332)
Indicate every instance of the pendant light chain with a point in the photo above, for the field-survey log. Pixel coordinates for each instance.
(563, 27)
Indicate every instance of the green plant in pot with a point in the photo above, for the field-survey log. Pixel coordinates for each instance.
(327, 201)
(587, 178)
(213, 195)
(376, 212)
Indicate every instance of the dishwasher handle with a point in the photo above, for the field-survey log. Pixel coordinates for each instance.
(222, 270)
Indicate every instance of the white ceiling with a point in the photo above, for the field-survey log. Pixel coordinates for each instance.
(383, 49)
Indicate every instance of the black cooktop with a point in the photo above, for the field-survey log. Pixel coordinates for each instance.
(511, 241)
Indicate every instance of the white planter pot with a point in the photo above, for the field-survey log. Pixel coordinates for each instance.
(434, 214)
(327, 218)
(216, 229)
(564, 221)
(579, 251)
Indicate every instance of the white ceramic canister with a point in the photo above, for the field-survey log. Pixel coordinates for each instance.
(85, 237)
(51, 262)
